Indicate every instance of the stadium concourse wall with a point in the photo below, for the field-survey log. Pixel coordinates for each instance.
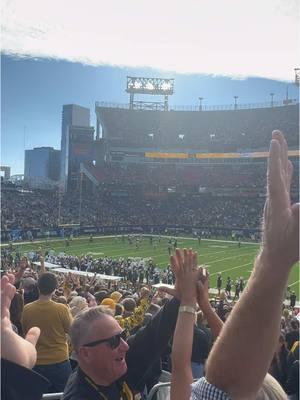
(39, 233)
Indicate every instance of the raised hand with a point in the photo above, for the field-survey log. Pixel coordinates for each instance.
(42, 261)
(281, 219)
(13, 347)
(256, 316)
(202, 287)
(184, 266)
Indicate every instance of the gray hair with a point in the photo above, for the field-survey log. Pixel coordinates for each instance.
(77, 304)
(81, 326)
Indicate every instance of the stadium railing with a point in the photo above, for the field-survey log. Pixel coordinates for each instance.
(219, 107)
(52, 396)
(157, 388)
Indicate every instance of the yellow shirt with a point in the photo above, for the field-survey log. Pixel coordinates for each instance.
(54, 320)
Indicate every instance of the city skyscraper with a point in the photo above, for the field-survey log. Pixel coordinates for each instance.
(76, 142)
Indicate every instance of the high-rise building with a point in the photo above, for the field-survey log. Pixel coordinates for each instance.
(77, 138)
(42, 164)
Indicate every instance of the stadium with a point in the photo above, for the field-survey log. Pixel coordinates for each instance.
(155, 170)
(149, 179)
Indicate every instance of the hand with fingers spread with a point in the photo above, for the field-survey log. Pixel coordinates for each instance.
(13, 347)
(281, 219)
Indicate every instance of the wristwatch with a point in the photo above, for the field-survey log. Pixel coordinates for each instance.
(187, 309)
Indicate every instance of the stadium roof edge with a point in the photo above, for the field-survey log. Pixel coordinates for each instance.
(226, 107)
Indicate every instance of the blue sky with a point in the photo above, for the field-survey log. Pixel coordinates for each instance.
(83, 53)
(33, 92)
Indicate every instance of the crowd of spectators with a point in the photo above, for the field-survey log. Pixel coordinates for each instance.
(124, 299)
(251, 176)
(144, 195)
(110, 340)
(211, 131)
(27, 211)
(132, 270)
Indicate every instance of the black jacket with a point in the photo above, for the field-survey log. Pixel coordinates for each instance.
(202, 342)
(19, 383)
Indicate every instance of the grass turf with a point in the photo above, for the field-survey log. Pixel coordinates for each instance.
(219, 256)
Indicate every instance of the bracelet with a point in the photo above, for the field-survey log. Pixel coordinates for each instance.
(187, 309)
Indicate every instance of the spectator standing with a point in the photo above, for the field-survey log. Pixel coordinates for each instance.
(108, 367)
(278, 368)
(16, 309)
(293, 335)
(237, 289)
(228, 288)
(293, 299)
(219, 283)
(54, 321)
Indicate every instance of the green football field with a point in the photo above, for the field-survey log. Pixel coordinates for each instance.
(217, 255)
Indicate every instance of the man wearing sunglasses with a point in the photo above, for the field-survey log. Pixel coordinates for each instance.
(108, 368)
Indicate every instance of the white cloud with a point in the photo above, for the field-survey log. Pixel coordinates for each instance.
(223, 37)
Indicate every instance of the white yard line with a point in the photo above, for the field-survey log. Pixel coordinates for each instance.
(113, 236)
(230, 269)
(228, 258)
(294, 283)
(221, 251)
(207, 240)
(58, 240)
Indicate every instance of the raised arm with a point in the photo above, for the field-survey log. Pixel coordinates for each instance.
(239, 361)
(42, 269)
(18, 355)
(214, 321)
(184, 265)
(154, 338)
(22, 266)
(13, 347)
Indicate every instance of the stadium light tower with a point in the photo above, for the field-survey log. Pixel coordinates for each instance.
(200, 103)
(235, 102)
(272, 103)
(287, 100)
(152, 86)
(297, 76)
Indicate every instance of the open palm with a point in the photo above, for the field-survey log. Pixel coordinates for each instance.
(281, 219)
(13, 347)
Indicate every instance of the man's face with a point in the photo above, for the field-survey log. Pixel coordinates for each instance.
(109, 363)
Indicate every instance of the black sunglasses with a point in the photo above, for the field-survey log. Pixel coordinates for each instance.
(113, 341)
